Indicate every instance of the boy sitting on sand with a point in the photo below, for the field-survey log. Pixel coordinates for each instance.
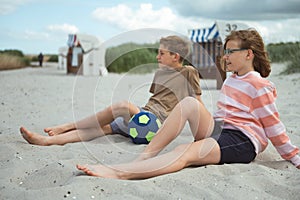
(172, 82)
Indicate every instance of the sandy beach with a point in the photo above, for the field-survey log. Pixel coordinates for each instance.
(41, 97)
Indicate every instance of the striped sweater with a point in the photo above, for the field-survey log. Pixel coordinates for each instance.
(247, 103)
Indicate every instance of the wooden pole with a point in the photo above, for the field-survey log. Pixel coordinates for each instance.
(220, 73)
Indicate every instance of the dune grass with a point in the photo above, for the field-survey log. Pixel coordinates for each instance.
(293, 65)
(14, 59)
(286, 52)
(13, 62)
(280, 52)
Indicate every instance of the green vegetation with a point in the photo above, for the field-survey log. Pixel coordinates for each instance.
(131, 57)
(12, 52)
(53, 58)
(286, 52)
(141, 58)
(15, 59)
(128, 57)
(47, 58)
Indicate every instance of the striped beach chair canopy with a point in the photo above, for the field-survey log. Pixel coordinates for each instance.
(204, 34)
(217, 31)
(87, 42)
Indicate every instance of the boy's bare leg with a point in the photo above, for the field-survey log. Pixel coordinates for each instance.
(203, 152)
(56, 130)
(100, 119)
(61, 139)
(88, 122)
(83, 130)
(123, 109)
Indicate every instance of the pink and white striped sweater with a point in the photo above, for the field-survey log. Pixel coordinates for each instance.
(247, 103)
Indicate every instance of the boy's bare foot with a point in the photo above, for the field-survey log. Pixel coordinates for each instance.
(56, 130)
(98, 171)
(33, 138)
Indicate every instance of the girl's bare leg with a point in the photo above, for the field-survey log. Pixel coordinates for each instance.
(189, 109)
(203, 152)
(68, 137)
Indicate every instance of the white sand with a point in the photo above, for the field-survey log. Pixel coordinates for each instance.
(40, 97)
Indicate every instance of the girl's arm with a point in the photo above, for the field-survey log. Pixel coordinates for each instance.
(275, 130)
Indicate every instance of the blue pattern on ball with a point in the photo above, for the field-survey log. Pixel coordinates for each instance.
(142, 127)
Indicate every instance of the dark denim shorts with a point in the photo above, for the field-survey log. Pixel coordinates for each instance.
(119, 126)
(235, 146)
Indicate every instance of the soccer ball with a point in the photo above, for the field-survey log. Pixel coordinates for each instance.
(142, 127)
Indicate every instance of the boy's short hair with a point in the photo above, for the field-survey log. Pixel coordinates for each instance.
(176, 44)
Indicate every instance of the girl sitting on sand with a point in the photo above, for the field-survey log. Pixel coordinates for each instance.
(246, 113)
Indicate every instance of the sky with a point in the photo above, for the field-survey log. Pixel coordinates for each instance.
(34, 26)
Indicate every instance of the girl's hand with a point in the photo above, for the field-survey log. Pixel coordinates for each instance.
(298, 166)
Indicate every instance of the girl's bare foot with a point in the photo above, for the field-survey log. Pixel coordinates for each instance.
(99, 171)
(56, 130)
(33, 138)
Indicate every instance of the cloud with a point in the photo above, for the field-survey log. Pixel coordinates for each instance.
(196, 16)
(239, 9)
(33, 35)
(64, 28)
(278, 30)
(8, 6)
(128, 18)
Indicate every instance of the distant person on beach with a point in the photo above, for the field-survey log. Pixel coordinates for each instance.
(41, 58)
(246, 112)
(172, 82)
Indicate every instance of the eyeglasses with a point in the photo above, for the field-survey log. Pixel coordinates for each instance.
(230, 51)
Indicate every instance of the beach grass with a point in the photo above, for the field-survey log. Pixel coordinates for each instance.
(12, 62)
(282, 52)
